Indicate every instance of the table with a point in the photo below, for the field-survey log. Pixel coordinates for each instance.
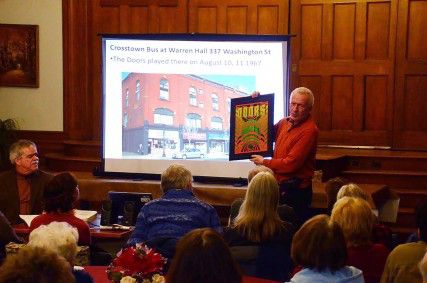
(99, 275)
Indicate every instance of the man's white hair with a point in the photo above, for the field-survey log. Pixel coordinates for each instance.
(59, 237)
(306, 92)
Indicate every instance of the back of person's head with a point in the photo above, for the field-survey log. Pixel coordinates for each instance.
(258, 169)
(421, 219)
(203, 256)
(60, 193)
(319, 244)
(332, 186)
(59, 237)
(352, 190)
(15, 150)
(258, 218)
(355, 217)
(35, 265)
(176, 176)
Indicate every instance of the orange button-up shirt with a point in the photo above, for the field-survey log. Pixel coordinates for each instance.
(295, 151)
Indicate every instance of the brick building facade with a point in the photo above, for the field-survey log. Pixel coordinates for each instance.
(165, 113)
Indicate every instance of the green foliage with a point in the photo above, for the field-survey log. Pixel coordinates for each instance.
(8, 129)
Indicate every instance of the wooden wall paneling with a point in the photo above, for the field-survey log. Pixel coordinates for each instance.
(415, 103)
(360, 32)
(237, 20)
(173, 18)
(347, 62)
(311, 32)
(238, 16)
(378, 21)
(416, 26)
(342, 102)
(344, 30)
(410, 129)
(138, 20)
(106, 19)
(83, 22)
(273, 18)
(77, 100)
(358, 103)
(320, 114)
(376, 110)
(327, 30)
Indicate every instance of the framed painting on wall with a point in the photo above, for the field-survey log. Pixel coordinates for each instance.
(251, 126)
(19, 58)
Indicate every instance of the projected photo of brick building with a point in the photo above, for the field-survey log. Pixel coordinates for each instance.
(176, 115)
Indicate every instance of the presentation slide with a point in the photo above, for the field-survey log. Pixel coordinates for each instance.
(166, 98)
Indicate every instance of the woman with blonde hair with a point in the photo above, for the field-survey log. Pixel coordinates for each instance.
(355, 217)
(259, 239)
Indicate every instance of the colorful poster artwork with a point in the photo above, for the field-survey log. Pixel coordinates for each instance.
(251, 127)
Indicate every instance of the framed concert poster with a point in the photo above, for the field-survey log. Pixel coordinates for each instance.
(251, 126)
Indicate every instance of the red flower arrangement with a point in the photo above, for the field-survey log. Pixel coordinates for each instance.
(139, 262)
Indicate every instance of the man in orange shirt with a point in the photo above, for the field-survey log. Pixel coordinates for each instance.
(21, 189)
(295, 153)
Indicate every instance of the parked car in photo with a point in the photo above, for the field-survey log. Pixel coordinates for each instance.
(188, 153)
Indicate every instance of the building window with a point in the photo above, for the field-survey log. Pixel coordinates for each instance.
(215, 105)
(163, 116)
(127, 98)
(138, 90)
(164, 89)
(193, 121)
(125, 120)
(216, 123)
(193, 96)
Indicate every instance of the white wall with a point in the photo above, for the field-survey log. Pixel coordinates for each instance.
(38, 109)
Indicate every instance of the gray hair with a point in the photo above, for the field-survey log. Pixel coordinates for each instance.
(59, 237)
(306, 92)
(176, 176)
(258, 169)
(352, 190)
(15, 149)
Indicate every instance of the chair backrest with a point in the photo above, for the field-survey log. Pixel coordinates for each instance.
(128, 205)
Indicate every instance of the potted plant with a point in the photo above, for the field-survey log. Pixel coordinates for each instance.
(8, 129)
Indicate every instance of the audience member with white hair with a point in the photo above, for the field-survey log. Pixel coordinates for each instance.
(61, 238)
